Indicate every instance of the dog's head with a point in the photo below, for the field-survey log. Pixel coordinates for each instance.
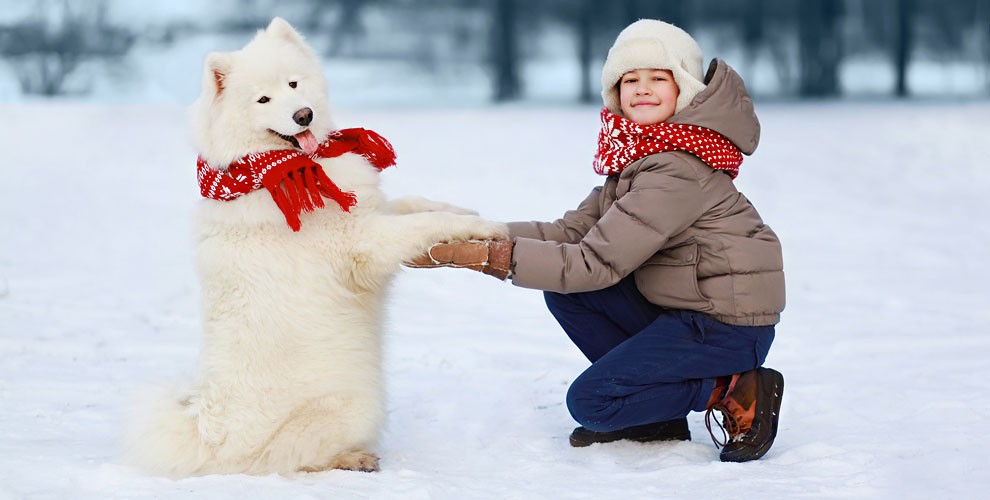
(269, 95)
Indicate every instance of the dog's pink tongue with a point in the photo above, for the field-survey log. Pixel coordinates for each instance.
(307, 141)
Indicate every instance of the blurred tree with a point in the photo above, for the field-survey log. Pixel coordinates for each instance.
(876, 33)
(753, 20)
(820, 47)
(585, 39)
(348, 29)
(753, 29)
(769, 29)
(902, 50)
(955, 30)
(505, 53)
(581, 17)
(45, 49)
(984, 7)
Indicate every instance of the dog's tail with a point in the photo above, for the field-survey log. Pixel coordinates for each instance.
(162, 437)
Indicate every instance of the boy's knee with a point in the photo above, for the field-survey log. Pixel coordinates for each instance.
(587, 406)
(576, 404)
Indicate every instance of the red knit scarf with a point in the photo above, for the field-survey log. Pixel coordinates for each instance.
(622, 141)
(296, 182)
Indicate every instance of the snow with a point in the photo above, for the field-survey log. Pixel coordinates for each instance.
(883, 344)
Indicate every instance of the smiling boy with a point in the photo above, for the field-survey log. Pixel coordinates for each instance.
(665, 277)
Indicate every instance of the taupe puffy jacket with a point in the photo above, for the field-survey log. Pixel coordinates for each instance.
(692, 240)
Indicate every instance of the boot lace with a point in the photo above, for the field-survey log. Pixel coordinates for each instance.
(728, 425)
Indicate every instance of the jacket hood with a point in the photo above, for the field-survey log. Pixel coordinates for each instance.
(725, 107)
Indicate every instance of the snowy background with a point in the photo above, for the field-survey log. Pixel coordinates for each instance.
(879, 205)
(880, 208)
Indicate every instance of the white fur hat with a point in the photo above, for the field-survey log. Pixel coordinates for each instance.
(649, 43)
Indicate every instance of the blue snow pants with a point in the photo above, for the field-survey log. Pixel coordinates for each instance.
(648, 363)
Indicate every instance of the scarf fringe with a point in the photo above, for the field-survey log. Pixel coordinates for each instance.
(379, 151)
(367, 143)
(295, 181)
(312, 189)
(345, 199)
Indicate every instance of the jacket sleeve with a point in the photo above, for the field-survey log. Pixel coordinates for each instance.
(568, 229)
(664, 199)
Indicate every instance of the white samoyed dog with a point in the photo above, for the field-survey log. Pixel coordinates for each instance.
(290, 375)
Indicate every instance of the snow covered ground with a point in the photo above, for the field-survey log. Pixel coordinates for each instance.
(880, 207)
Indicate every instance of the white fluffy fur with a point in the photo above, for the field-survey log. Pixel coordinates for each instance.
(290, 372)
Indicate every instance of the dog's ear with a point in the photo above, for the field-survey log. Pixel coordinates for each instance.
(215, 72)
(282, 29)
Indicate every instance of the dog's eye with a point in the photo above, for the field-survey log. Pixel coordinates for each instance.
(263, 99)
(293, 85)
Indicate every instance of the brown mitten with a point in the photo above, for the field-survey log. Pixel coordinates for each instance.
(492, 257)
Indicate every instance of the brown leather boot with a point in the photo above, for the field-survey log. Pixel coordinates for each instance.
(750, 408)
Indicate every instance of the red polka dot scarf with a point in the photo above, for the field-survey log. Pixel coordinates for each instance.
(622, 141)
(296, 181)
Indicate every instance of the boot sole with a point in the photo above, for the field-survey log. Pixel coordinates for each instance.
(679, 437)
(659, 435)
(775, 386)
(649, 439)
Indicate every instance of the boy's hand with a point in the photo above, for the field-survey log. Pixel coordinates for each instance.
(492, 257)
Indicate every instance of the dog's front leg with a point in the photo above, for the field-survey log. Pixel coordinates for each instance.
(389, 240)
(400, 238)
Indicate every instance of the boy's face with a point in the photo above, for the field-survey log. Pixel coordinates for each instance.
(648, 96)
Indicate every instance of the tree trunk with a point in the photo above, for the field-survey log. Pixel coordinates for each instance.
(902, 52)
(753, 34)
(505, 57)
(986, 46)
(585, 25)
(820, 49)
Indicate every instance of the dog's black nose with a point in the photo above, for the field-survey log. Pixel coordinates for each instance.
(303, 116)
